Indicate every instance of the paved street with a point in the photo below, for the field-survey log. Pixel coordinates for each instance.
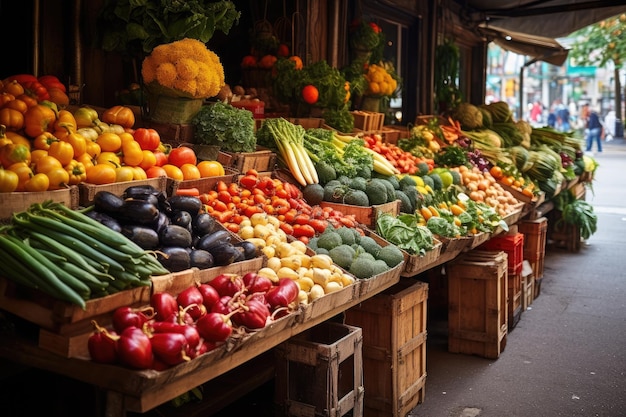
(567, 355)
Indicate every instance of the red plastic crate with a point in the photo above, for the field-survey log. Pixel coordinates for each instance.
(513, 245)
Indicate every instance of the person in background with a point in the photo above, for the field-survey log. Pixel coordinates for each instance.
(552, 119)
(594, 134)
(609, 126)
(536, 112)
(563, 117)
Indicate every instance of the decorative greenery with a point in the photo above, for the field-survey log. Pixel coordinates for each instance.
(135, 27)
(447, 93)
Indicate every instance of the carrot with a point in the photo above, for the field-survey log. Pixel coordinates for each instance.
(190, 192)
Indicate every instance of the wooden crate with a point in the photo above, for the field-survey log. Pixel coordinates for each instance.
(204, 185)
(368, 120)
(171, 133)
(319, 372)
(308, 122)
(88, 191)
(535, 236)
(477, 304)
(393, 323)
(262, 160)
(513, 245)
(528, 286)
(514, 295)
(562, 235)
(365, 215)
(19, 201)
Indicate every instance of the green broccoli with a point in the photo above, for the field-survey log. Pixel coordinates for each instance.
(342, 255)
(391, 255)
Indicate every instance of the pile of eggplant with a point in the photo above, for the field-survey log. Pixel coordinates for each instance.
(176, 228)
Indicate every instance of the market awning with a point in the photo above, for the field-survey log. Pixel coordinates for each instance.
(530, 27)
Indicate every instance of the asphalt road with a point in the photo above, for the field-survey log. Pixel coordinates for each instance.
(567, 355)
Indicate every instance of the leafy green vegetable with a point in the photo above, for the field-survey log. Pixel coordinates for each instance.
(578, 213)
(414, 239)
(228, 127)
(136, 27)
(347, 159)
(442, 227)
(451, 156)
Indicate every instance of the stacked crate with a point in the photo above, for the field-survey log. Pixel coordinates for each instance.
(394, 348)
(535, 236)
(513, 246)
(320, 372)
(477, 307)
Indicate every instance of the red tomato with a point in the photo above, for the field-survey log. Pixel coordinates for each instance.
(148, 139)
(283, 50)
(155, 172)
(182, 155)
(310, 94)
(161, 158)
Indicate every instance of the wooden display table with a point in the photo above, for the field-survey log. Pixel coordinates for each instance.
(140, 391)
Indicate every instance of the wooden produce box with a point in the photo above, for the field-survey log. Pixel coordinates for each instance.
(19, 201)
(393, 323)
(368, 120)
(392, 134)
(515, 295)
(204, 185)
(88, 191)
(64, 327)
(477, 304)
(453, 247)
(528, 286)
(308, 122)
(261, 160)
(535, 236)
(563, 235)
(365, 215)
(413, 264)
(320, 372)
(171, 133)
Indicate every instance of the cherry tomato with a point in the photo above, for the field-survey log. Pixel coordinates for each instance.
(310, 94)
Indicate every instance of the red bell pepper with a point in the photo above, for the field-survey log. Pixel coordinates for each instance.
(227, 284)
(170, 348)
(124, 317)
(282, 294)
(191, 299)
(102, 345)
(253, 314)
(134, 348)
(164, 305)
(215, 327)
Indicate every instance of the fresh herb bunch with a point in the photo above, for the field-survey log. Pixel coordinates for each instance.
(136, 27)
(451, 156)
(223, 125)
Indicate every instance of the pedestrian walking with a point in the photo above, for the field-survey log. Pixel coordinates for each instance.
(594, 134)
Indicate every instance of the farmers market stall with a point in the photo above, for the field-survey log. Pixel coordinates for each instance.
(149, 249)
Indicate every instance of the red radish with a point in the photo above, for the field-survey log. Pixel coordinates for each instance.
(189, 331)
(254, 313)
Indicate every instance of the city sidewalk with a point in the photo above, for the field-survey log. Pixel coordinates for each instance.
(566, 356)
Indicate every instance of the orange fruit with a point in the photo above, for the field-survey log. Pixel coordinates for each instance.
(190, 172)
(173, 172)
(210, 169)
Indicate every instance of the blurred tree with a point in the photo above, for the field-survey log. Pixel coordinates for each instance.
(601, 43)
